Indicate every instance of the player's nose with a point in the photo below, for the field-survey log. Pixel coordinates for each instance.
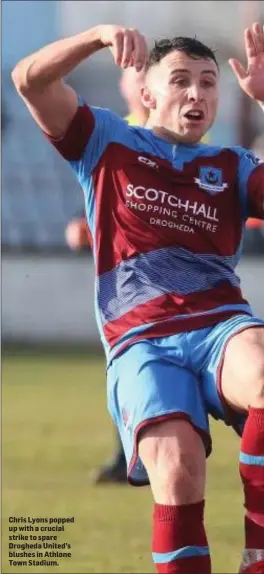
(195, 93)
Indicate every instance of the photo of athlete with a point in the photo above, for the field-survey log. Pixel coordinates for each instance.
(166, 215)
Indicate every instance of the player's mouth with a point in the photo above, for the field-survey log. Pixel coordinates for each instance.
(194, 116)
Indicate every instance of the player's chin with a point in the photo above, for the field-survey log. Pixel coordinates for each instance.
(194, 134)
(193, 138)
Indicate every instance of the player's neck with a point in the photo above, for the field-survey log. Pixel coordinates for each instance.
(168, 135)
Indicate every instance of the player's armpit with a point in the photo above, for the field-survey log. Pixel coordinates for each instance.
(255, 190)
(72, 145)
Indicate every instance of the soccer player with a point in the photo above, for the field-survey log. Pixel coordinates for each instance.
(78, 237)
(166, 214)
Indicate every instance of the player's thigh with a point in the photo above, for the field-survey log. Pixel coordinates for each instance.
(242, 376)
(144, 388)
(173, 452)
(224, 373)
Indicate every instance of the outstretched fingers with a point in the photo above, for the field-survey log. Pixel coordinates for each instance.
(238, 69)
(254, 41)
(258, 37)
(249, 43)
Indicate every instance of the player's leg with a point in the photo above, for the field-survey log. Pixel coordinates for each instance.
(158, 409)
(233, 387)
(114, 471)
(242, 383)
(174, 456)
(119, 457)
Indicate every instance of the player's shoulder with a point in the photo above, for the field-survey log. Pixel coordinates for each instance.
(246, 157)
(207, 148)
(227, 151)
(107, 116)
(108, 126)
(102, 118)
(240, 151)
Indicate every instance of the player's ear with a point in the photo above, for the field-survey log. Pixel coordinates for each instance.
(148, 100)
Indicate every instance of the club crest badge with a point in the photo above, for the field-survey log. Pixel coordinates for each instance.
(211, 179)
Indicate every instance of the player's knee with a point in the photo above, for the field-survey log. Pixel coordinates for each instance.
(256, 393)
(253, 389)
(174, 456)
(243, 372)
(177, 480)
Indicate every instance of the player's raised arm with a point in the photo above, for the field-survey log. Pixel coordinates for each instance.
(251, 81)
(38, 78)
(251, 78)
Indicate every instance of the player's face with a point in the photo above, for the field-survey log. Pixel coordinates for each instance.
(182, 94)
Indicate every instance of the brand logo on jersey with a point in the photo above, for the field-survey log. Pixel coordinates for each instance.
(211, 179)
(148, 162)
(253, 158)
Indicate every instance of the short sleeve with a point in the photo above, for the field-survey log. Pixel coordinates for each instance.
(251, 184)
(83, 144)
(87, 137)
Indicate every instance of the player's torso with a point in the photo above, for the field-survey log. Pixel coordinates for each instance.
(168, 196)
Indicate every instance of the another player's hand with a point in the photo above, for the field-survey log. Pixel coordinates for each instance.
(251, 79)
(128, 46)
(76, 234)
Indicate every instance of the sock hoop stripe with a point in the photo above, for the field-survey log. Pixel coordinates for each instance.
(185, 552)
(251, 459)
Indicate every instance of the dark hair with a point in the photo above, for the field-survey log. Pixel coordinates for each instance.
(190, 46)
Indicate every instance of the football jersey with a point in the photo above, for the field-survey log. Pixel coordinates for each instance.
(166, 222)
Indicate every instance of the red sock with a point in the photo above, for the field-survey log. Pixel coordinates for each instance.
(252, 474)
(179, 539)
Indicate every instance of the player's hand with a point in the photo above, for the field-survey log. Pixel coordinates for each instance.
(128, 46)
(251, 79)
(76, 234)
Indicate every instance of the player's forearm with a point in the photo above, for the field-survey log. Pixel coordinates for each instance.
(55, 60)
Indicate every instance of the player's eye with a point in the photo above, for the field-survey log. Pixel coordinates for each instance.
(182, 82)
(208, 83)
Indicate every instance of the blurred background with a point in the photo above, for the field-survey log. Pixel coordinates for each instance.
(56, 429)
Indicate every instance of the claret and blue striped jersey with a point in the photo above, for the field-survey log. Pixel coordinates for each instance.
(166, 224)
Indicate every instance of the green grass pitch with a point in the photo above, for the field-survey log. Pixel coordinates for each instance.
(55, 431)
